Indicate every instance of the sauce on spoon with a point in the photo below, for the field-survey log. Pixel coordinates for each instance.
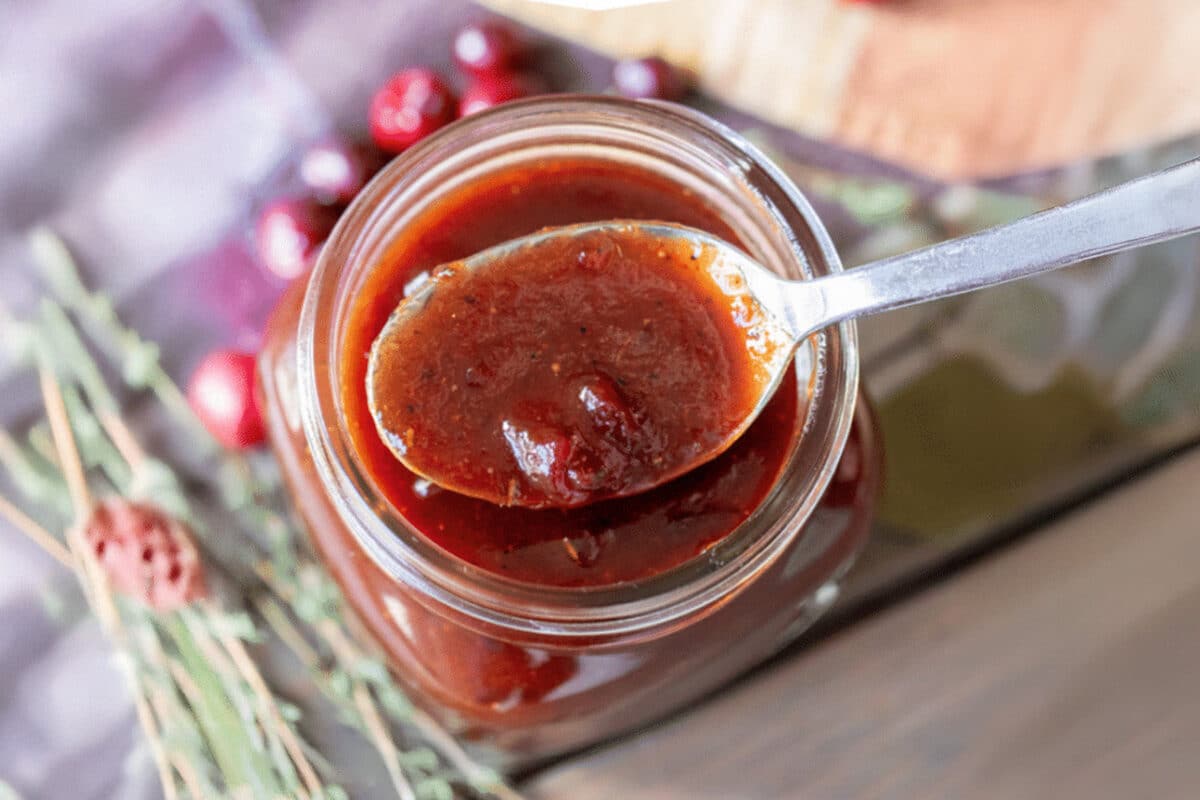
(569, 370)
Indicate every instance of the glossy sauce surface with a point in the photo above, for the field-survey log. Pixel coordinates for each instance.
(581, 365)
(605, 542)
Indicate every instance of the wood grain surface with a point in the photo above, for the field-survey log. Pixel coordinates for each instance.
(1063, 667)
(946, 87)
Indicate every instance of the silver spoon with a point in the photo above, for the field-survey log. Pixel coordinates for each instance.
(1151, 209)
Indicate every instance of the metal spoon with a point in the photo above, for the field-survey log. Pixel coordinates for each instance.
(1151, 209)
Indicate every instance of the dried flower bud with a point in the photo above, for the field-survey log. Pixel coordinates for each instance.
(146, 554)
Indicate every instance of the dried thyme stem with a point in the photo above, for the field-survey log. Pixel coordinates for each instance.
(243, 766)
(187, 772)
(141, 369)
(288, 633)
(369, 714)
(42, 537)
(249, 671)
(379, 734)
(91, 576)
(64, 440)
(52, 546)
(72, 464)
(481, 778)
(124, 440)
(271, 719)
(154, 738)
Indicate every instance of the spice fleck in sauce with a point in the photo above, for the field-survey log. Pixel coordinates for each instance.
(603, 391)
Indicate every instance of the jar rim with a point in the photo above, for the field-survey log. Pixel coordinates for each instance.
(493, 599)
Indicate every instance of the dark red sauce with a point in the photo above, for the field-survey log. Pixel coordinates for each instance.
(570, 369)
(605, 542)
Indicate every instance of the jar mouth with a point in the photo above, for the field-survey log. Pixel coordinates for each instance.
(775, 222)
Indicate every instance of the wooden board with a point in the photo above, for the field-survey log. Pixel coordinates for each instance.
(946, 87)
(1064, 667)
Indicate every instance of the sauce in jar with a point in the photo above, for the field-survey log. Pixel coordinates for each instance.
(532, 632)
(605, 542)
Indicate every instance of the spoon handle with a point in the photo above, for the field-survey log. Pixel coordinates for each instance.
(1152, 209)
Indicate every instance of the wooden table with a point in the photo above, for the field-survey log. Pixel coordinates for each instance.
(1063, 666)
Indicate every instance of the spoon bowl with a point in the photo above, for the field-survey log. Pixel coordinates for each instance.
(619, 394)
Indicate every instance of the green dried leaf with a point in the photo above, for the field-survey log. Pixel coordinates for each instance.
(434, 789)
(57, 264)
(318, 597)
(290, 711)
(140, 364)
(234, 623)
(236, 491)
(372, 670)
(340, 683)
(394, 701)
(874, 202)
(485, 779)
(72, 357)
(94, 445)
(420, 759)
(33, 477)
(242, 763)
(20, 340)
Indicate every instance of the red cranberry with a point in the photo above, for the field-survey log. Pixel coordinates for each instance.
(221, 392)
(411, 105)
(146, 554)
(542, 454)
(338, 170)
(290, 230)
(484, 93)
(609, 411)
(649, 78)
(485, 48)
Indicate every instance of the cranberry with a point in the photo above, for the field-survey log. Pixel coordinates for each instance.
(221, 392)
(487, 48)
(411, 105)
(146, 554)
(338, 170)
(609, 411)
(542, 454)
(484, 93)
(290, 230)
(649, 78)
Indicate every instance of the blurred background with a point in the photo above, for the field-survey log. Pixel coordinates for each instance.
(152, 134)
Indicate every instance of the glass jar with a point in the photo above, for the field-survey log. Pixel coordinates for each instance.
(526, 671)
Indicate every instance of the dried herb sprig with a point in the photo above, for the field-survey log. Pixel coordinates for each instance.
(244, 770)
(295, 593)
